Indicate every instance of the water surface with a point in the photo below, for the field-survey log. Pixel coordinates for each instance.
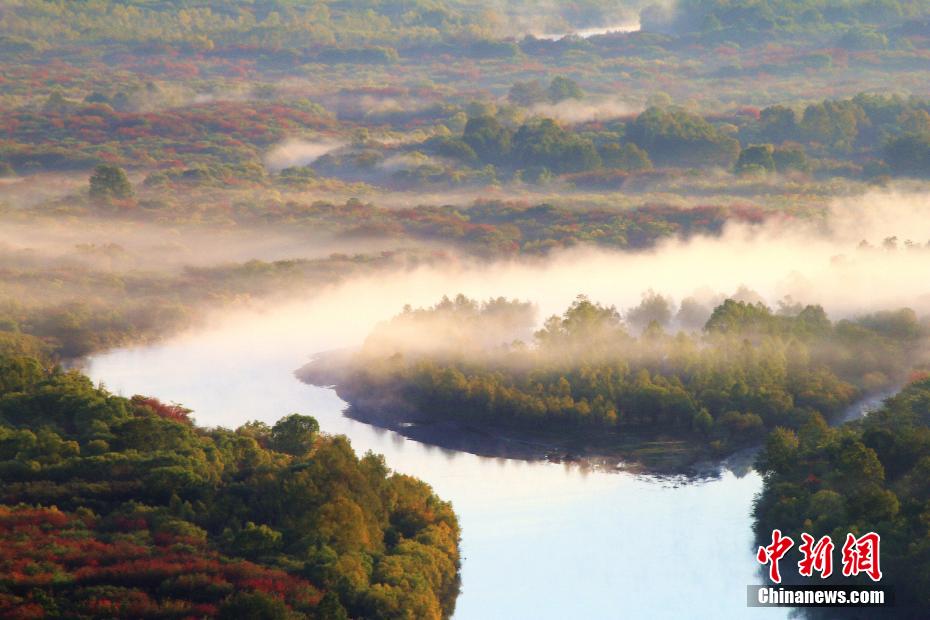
(539, 540)
(631, 25)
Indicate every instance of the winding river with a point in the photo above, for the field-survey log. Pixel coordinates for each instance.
(540, 540)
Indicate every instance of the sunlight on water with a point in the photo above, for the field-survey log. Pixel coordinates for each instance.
(632, 25)
(540, 540)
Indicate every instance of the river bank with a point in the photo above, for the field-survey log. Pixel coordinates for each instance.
(626, 450)
(558, 539)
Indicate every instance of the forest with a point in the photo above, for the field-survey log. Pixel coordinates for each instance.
(116, 507)
(229, 182)
(869, 137)
(867, 475)
(725, 379)
(276, 24)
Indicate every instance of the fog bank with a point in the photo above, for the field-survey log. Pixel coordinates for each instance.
(574, 111)
(295, 152)
(817, 262)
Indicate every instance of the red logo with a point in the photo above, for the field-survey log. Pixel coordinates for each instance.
(817, 557)
(774, 552)
(860, 555)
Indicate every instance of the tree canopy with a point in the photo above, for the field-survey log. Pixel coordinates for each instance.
(867, 475)
(748, 371)
(115, 507)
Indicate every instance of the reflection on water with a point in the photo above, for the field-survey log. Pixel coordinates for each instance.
(631, 25)
(540, 540)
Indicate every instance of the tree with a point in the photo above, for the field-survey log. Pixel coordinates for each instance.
(780, 451)
(673, 136)
(777, 124)
(739, 317)
(56, 102)
(653, 308)
(294, 434)
(330, 608)
(756, 158)
(256, 541)
(527, 93)
(909, 155)
(255, 606)
(790, 157)
(584, 323)
(562, 88)
(120, 467)
(835, 124)
(110, 182)
(627, 156)
(487, 138)
(702, 422)
(546, 144)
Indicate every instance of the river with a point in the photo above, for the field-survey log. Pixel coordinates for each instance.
(539, 540)
(630, 25)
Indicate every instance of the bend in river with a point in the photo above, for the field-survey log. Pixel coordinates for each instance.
(540, 539)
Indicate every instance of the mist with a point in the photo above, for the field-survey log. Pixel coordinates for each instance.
(297, 152)
(553, 20)
(125, 246)
(809, 262)
(631, 24)
(574, 111)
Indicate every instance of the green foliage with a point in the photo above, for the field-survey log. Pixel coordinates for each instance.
(142, 467)
(537, 144)
(740, 317)
(756, 158)
(673, 136)
(527, 93)
(294, 434)
(868, 475)
(833, 123)
(790, 157)
(654, 308)
(487, 138)
(625, 156)
(109, 182)
(778, 123)
(744, 20)
(546, 144)
(750, 371)
(909, 155)
(562, 88)
(257, 605)
(703, 422)
(892, 128)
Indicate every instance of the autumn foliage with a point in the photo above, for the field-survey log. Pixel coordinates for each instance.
(123, 508)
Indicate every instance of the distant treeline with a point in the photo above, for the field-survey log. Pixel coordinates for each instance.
(860, 24)
(868, 135)
(351, 31)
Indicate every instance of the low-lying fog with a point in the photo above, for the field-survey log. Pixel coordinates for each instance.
(631, 24)
(297, 152)
(817, 262)
(575, 111)
(820, 261)
(129, 245)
